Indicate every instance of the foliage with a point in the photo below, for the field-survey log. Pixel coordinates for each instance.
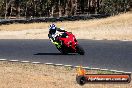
(113, 7)
(48, 8)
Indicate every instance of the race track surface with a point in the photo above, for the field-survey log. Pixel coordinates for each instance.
(99, 53)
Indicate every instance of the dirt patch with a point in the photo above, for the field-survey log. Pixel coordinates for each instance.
(26, 75)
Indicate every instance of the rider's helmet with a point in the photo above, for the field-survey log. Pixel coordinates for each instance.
(52, 29)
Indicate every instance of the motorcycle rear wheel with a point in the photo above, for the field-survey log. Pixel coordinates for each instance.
(80, 50)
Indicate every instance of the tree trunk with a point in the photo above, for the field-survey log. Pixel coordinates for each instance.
(66, 8)
(11, 11)
(73, 7)
(60, 9)
(18, 9)
(6, 9)
(26, 10)
(98, 4)
(52, 11)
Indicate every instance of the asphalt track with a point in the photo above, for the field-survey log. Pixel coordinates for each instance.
(99, 53)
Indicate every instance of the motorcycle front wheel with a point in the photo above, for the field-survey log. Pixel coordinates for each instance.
(64, 52)
(80, 50)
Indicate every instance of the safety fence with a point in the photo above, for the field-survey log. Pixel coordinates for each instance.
(52, 19)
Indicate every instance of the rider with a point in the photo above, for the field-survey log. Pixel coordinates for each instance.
(53, 30)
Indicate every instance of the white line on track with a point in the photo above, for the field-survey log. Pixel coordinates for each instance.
(25, 61)
(14, 60)
(68, 65)
(113, 70)
(3, 59)
(65, 65)
(95, 68)
(36, 62)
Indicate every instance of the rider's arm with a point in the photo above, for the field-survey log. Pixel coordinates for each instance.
(60, 30)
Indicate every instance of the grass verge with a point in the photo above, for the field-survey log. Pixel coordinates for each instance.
(27, 75)
(112, 28)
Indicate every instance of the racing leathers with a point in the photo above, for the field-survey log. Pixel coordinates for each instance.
(53, 35)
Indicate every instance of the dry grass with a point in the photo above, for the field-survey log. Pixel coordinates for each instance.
(112, 28)
(125, 19)
(26, 75)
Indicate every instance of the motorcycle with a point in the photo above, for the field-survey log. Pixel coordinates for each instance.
(67, 43)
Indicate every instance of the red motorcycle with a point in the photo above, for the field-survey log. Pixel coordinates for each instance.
(67, 43)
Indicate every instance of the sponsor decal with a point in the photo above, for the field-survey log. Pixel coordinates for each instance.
(83, 78)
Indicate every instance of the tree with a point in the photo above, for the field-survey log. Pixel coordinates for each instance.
(58, 8)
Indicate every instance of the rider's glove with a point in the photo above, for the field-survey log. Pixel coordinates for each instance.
(57, 44)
